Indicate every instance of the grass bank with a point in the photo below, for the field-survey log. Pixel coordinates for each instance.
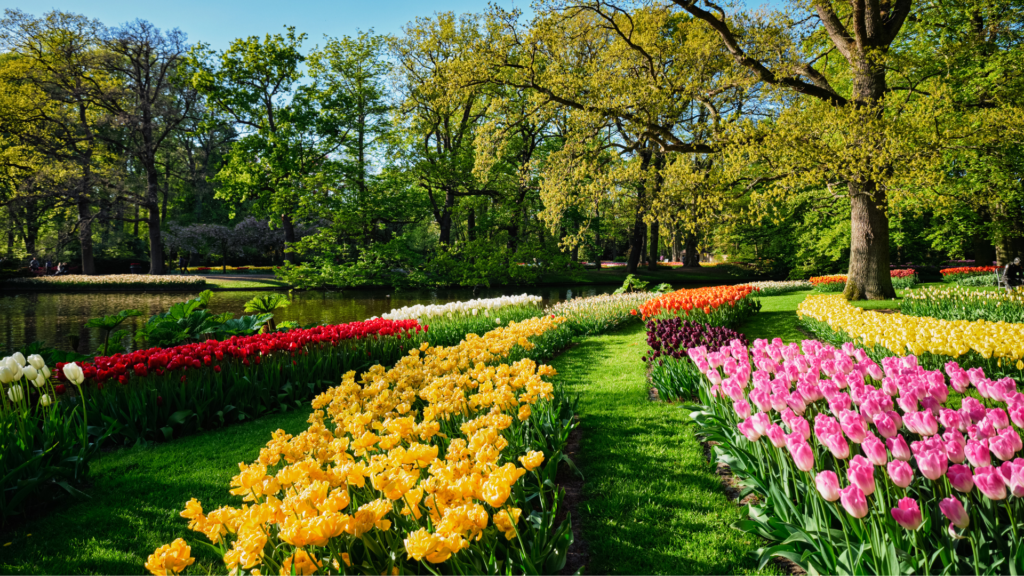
(652, 504)
(135, 497)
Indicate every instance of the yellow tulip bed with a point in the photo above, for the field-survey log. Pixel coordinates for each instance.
(434, 465)
(996, 346)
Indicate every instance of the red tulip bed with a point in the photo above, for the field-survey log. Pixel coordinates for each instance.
(863, 467)
(159, 393)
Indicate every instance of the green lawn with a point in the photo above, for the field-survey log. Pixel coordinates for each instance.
(136, 495)
(221, 283)
(652, 503)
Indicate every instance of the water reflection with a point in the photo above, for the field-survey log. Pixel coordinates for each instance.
(51, 317)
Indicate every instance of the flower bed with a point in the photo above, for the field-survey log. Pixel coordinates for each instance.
(717, 305)
(43, 446)
(997, 347)
(111, 281)
(444, 464)
(835, 283)
(671, 370)
(970, 275)
(772, 288)
(157, 393)
(596, 314)
(958, 303)
(903, 279)
(887, 482)
(450, 322)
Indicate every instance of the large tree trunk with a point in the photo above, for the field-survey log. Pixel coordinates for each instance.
(85, 235)
(868, 278)
(444, 223)
(156, 246)
(691, 257)
(654, 246)
(471, 225)
(677, 245)
(289, 238)
(636, 239)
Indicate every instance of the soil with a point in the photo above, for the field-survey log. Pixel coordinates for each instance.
(572, 484)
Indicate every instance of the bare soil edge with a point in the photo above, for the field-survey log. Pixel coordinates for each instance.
(572, 484)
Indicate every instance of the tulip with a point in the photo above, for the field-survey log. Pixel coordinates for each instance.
(760, 421)
(990, 482)
(36, 361)
(19, 358)
(6, 376)
(932, 464)
(748, 430)
(15, 393)
(803, 456)
(854, 426)
(776, 435)
(74, 374)
(955, 451)
(885, 426)
(44, 400)
(960, 478)
(953, 509)
(30, 372)
(854, 501)
(1002, 447)
(828, 485)
(900, 473)
(898, 446)
(874, 449)
(742, 407)
(977, 453)
(862, 474)
(46, 372)
(907, 514)
(837, 445)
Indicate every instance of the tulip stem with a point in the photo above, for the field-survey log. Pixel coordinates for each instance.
(974, 550)
(1013, 525)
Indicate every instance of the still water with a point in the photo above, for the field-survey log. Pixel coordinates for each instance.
(50, 317)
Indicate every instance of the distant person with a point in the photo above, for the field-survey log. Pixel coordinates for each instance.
(183, 264)
(62, 269)
(48, 266)
(1014, 273)
(34, 263)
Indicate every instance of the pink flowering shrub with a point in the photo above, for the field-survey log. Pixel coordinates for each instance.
(866, 467)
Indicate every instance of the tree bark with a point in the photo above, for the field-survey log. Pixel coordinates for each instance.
(289, 237)
(85, 235)
(471, 225)
(691, 257)
(654, 246)
(636, 239)
(868, 277)
(444, 223)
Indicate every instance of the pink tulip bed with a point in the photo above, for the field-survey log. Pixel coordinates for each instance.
(865, 467)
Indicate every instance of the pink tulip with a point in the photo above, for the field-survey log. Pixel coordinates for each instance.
(1002, 446)
(853, 425)
(874, 449)
(875, 371)
(973, 410)
(1013, 475)
(748, 430)
(828, 389)
(960, 478)
(839, 403)
(932, 464)
(885, 426)
(800, 426)
(828, 485)
(862, 473)
(977, 453)
(908, 514)
(990, 482)
(760, 421)
(742, 408)
(776, 435)
(898, 446)
(955, 451)
(837, 445)
(952, 419)
(796, 402)
(854, 501)
(953, 509)
(1017, 413)
(999, 418)
(803, 456)
(900, 473)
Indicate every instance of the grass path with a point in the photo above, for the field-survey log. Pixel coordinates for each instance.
(652, 504)
(136, 495)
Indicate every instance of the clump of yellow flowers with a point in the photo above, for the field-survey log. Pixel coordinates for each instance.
(399, 466)
(1001, 342)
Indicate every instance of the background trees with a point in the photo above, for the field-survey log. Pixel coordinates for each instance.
(472, 149)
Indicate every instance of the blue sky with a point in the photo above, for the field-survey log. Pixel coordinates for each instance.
(217, 22)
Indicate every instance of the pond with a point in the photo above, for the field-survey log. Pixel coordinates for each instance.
(51, 317)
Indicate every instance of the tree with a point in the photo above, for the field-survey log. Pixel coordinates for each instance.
(283, 162)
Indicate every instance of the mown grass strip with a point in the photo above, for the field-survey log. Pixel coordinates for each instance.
(652, 503)
(135, 498)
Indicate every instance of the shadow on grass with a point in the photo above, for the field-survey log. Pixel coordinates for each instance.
(135, 498)
(652, 503)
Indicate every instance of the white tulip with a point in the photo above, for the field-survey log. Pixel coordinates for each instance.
(74, 373)
(6, 376)
(19, 358)
(15, 393)
(36, 361)
(497, 320)
(30, 372)
(46, 372)
(45, 401)
(39, 381)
